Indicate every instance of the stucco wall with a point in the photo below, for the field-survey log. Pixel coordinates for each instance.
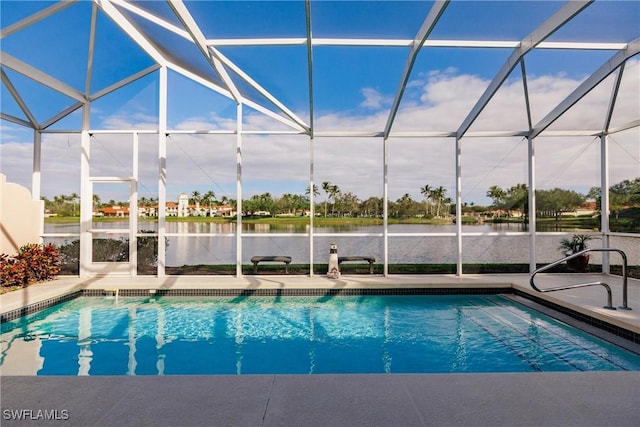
(20, 217)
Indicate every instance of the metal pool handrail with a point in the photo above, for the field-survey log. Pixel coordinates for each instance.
(583, 285)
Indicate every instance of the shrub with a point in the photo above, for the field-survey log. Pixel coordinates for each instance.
(33, 263)
(112, 250)
(577, 243)
(70, 257)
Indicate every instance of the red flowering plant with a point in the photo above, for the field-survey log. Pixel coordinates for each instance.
(33, 263)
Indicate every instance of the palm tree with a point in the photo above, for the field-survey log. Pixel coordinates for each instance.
(447, 201)
(285, 204)
(438, 194)
(373, 206)
(333, 193)
(326, 186)
(349, 203)
(316, 192)
(208, 198)
(426, 192)
(266, 202)
(298, 202)
(74, 198)
(195, 197)
(518, 198)
(96, 202)
(404, 204)
(497, 194)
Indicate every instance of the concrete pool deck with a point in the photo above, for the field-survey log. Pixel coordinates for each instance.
(513, 399)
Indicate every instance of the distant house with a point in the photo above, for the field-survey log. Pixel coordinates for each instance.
(147, 211)
(171, 209)
(180, 209)
(114, 211)
(497, 213)
(589, 208)
(223, 210)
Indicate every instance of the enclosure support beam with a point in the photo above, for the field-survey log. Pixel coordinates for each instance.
(312, 198)
(112, 12)
(604, 200)
(291, 118)
(587, 85)
(16, 96)
(86, 199)
(162, 171)
(16, 120)
(604, 173)
(312, 195)
(458, 207)
(133, 209)
(564, 15)
(531, 148)
(429, 23)
(525, 87)
(217, 59)
(239, 190)
(385, 203)
(36, 17)
(92, 43)
(37, 165)
(61, 115)
(41, 77)
(307, 10)
(199, 40)
(117, 85)
(614, 97)
(36, 177)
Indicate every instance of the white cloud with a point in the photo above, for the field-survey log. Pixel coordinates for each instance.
(373, 99)
(444, 89)
(438, 101)
(126, 120)
(16, 162)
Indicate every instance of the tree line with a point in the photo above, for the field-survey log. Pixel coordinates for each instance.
(435, 202)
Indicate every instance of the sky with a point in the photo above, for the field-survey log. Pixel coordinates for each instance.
(354, 88)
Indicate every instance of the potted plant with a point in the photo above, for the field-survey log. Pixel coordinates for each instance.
(573, 245)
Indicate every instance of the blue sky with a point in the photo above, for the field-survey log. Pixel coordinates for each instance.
(353, 90)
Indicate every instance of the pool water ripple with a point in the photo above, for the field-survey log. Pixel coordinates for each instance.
(299, 335)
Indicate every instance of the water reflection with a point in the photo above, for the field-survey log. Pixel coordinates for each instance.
(221, 249)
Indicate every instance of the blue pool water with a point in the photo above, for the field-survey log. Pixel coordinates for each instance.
(299, 335)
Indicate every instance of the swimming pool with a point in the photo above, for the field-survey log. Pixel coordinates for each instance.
(299, 335)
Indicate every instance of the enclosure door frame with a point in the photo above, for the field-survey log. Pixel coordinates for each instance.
(130, 267)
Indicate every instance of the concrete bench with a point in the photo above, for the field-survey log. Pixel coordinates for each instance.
(256, 259)
(369, 259)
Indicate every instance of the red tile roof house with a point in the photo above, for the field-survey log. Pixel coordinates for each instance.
(115, 211)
